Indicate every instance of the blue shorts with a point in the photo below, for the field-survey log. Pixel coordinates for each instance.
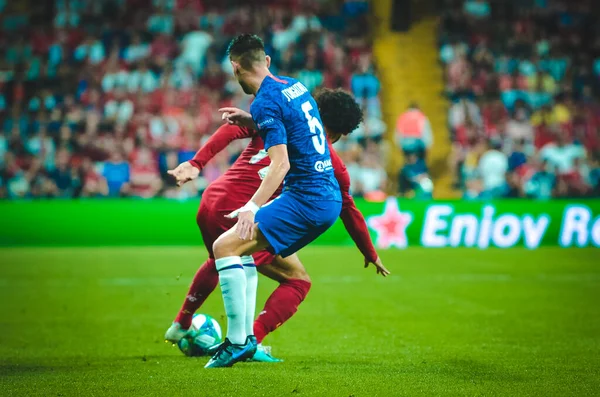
(290, 222)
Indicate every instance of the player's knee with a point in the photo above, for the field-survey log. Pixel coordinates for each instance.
(219, 248)
(298, 274)
(304, 276)
(289, 269)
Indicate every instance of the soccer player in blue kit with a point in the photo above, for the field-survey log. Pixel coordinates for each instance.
(288, 120)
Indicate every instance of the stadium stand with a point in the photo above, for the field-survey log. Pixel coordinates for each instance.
(101, 98)
(524, 79)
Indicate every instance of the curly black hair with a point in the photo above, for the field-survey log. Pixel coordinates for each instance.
(246, 49)
(339, 111)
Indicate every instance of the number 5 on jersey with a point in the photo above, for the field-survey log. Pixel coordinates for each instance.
(316, 128)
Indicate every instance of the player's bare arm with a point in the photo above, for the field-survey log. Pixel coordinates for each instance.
(280, 165)
(222, 137)
(341, 115)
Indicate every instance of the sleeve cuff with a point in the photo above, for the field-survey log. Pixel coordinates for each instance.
(195, 164)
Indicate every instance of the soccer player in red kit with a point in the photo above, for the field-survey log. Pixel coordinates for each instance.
(340, 115)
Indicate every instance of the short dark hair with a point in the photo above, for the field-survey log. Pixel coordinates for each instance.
(246, 49)
(339, 111)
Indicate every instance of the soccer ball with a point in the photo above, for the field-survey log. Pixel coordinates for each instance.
(205, 333)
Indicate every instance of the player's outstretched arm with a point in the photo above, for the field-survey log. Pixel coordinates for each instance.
(355, 224)
(353, 220)
(221, 138)
(218, 141)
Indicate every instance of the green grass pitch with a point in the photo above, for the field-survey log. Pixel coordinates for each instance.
(90, 321)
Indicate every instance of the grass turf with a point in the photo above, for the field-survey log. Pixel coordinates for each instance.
(89, 321)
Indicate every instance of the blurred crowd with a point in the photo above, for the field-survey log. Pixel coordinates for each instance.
(524, 78)
(100, 98)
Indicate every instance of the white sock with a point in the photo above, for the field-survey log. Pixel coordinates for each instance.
(233, 288)
(251, 287)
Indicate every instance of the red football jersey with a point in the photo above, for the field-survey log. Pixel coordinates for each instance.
(234, 188)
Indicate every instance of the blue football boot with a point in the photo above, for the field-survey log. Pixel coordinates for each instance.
(228, 353)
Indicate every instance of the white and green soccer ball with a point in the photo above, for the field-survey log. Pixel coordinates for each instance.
(204, 333)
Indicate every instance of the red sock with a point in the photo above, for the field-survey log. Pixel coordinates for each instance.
(205, 281)
(281, 305)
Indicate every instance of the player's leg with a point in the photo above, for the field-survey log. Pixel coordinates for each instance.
(294, 284)
(233, 279)
(206, 278)
(290, 223)
(277, 227)
(239, 343)
(203, 284)
(286, 225)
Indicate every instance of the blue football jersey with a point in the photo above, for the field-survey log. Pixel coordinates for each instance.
(286, 113)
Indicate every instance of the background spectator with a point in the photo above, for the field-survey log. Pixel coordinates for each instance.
(414, 177)
(413, 131)
(492, 169)
(524, 76)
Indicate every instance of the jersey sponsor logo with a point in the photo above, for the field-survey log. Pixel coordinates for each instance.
(262, 173)
(322, 166)
(294, 91)
(261, 155)
(258, 156)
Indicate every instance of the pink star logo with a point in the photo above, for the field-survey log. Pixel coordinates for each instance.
(391, 225)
